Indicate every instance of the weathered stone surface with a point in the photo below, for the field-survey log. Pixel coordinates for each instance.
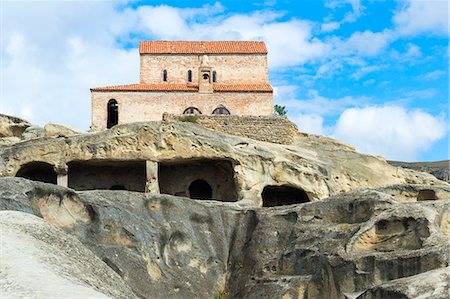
(432, 284)
(39, 260)
(357, 243)
(440, 169)
(11, 126)
(55, 130)
(320, 166)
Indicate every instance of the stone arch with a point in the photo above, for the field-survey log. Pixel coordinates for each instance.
(221, 110)
(192, 110)
(113, 113)
(200, 189)
(38, 171)
(283, 195)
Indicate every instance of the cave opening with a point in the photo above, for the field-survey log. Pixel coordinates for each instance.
(426, 194)
(198, 179)
(283, 195)
(107, 175)
(38, 171)
(200, 189)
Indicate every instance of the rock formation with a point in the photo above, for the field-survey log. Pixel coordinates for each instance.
(348, 225)
(39, 260)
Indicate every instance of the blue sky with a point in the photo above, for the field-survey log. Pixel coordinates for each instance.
(373, 74)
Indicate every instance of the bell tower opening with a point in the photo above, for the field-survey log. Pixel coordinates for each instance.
(205, 76)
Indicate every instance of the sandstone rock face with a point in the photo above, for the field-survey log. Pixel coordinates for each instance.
(365, 243)
(11, 128)
(39, 260)
(440, 169)
(320, 166)
(55, 130)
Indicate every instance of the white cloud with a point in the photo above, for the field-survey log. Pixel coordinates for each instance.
(391, 131)
(422, 17)
(361, 72)
(309, 123)
(367, 43)
(434, 75)
(289, 42)
(54, 52)
(330, 26)
(315, 104)
(413, 51)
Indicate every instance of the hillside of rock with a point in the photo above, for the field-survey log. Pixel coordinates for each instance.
(359, 244)
(39, 260)
(319, 166)
(174, 210)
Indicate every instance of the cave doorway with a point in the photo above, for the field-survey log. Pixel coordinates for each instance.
(199, 178)
(200, 189)
(38, 171)
(107, 175)
(283, 195)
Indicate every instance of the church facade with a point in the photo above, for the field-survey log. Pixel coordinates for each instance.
(189, 77)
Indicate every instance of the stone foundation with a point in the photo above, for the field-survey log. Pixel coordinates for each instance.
(275, 129)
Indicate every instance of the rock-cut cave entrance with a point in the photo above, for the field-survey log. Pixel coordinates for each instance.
(200, 189)
(283, 195)
(107, 175)
(198, 179)
(38, 171)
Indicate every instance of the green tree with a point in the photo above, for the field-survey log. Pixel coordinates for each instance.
(280, 110)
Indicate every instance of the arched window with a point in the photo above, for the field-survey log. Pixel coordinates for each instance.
(113, 114)
(221, 110)
(214, 76)
(189, 76)
(38, 171)
(165, 75)
(192, 110)
(200, 189)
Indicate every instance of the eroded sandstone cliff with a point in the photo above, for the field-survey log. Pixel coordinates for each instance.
(360, 244)
(348, 226)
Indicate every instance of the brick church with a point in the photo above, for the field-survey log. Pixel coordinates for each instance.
(189, 77)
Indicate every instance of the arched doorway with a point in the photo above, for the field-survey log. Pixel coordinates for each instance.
(200, 189)
(283, 195)
(38, 171)
(113, 114)
(221, 110)
(191, 110)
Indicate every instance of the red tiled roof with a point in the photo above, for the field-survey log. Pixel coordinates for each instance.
(202, 47)
(171, 87)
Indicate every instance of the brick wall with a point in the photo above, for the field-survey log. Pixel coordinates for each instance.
(275, 129)
(150, 106)
(230, 68)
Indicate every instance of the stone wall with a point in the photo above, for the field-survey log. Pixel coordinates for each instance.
(230, 68)
(275, 129)
(137, 106)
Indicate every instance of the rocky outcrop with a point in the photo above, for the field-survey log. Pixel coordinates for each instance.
(11, 129)
(364, 243)
(39, 260)
(320, 166)
(440, 169)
